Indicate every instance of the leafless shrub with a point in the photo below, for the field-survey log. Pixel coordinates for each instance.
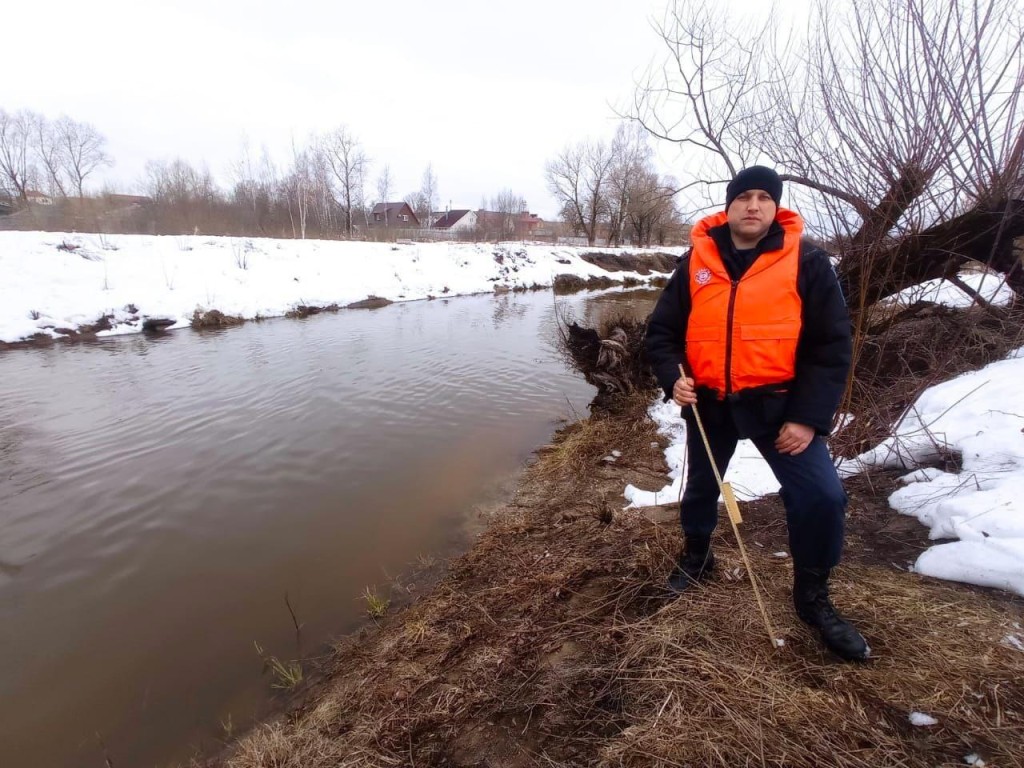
(240, 250)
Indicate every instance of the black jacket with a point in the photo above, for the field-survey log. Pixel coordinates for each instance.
(823, 353)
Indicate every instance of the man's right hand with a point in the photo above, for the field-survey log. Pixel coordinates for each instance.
(683, 392)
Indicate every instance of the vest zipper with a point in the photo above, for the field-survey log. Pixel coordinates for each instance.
(728, 336)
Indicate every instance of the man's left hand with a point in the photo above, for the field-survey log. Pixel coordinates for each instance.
(793, 438)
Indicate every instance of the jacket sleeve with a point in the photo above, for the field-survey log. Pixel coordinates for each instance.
(666, 328)
(825, 347)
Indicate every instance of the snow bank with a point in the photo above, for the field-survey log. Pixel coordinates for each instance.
(748, 472)
(46, 287)
(991, 286)
(979, 415)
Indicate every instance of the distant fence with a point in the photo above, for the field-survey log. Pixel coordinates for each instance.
(387, 234)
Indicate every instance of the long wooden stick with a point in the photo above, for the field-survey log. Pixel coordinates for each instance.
(732, 507)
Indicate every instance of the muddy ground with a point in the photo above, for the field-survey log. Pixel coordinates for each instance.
(553, 642)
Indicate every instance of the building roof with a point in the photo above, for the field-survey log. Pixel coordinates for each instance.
(380, 207)
(450, 218)
(389, 210)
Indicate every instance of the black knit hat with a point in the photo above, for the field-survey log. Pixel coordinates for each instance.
(754, 177)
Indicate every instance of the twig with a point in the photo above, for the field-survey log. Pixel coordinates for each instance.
(295, 622)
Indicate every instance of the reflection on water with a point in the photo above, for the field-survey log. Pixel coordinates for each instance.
(161, 496)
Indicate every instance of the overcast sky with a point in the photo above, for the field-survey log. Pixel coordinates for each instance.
(486, 92)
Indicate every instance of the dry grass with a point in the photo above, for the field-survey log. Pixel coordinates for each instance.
(701, 686)
(552, 642)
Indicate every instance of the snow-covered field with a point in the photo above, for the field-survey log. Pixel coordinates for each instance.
(131, 277)
(979, 415)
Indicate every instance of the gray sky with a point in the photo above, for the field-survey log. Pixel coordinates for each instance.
(485, 92)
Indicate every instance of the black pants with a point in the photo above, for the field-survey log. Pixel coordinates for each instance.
(811, 490)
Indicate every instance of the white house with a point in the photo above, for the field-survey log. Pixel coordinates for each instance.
(457, 221)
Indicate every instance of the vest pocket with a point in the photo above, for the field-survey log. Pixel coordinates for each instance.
(705, 333)
(766, 353)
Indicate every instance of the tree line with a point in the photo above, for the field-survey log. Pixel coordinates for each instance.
(323, 190)
(59, 155)
(613, 189)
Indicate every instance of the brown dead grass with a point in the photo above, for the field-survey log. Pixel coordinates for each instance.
(552, 642)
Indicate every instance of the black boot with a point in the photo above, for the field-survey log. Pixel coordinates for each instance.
(810, 598)
(695, 563)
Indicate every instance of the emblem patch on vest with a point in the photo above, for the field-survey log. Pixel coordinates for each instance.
(703, 276)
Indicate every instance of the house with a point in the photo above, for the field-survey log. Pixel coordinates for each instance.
(457, 221)
(529, 226)
(37, 198)
(519, 226)
(399, 215)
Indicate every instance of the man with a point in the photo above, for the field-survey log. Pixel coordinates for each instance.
(759, 322)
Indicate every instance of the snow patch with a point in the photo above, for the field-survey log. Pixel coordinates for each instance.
(921, 719)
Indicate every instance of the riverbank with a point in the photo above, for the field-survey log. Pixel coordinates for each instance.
(552, 641)
(68, 287)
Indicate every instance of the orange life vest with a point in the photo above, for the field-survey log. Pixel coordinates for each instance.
(743, 333)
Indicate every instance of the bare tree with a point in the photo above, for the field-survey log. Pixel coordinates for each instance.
(428, 194)
(48, 149)
(16, 167)
(255, 184)
(81, 151)
(418, 203)
(705, 96)
(325, 203)
(298, 190)
(177, 182)
(509, 208)
(927, 124)
(631, 160)
(651, 210)
(186, 199)
(384, 185)
(577, 178)
(348, 164)
(901, 115)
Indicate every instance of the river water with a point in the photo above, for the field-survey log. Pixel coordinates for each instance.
(161, 497)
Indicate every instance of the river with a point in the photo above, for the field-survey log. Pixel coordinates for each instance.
(167, 503)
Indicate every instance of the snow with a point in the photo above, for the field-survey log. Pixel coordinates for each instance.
(1013, 641)
(749, 474)
(46, 288)
(979, 415)
(976, 512)
(990, 285)
(921, 719)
